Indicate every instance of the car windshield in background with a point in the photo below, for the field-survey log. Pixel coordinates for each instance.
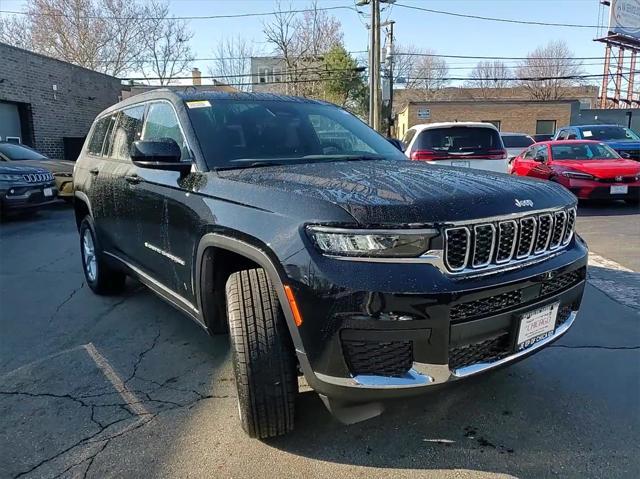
(582, 151)
(460, 140)
(517, 141)
(238, 134)
(18, 152)
(604, 133)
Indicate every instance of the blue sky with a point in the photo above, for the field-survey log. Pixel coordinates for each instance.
(444, 34)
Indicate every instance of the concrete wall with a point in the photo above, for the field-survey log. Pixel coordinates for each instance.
(48, 116)
(518, 116)
(615, 117)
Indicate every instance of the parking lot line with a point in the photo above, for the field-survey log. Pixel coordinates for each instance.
(132, 401)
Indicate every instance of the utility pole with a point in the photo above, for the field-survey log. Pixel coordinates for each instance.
(374, 61)
(375, 64)
(389, 62)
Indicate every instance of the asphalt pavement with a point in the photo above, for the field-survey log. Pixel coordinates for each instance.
(126, 386)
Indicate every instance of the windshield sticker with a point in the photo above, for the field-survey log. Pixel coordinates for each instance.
(198, 104)
(587, 134)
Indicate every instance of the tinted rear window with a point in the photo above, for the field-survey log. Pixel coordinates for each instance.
(460, 139)
(517, 141)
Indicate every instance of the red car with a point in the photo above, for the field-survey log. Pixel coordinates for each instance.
(590, 169)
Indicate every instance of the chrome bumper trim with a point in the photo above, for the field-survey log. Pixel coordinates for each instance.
(423, 374)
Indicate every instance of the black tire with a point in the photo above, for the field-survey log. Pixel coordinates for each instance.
(105, 280)
(263, 355)
(633, 201)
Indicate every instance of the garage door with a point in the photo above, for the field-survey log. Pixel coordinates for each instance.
(10, 122)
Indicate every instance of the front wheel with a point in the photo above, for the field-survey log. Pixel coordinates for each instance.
(101, 278)
(263, 355)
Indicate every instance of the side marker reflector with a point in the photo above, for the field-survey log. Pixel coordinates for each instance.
(297, 318)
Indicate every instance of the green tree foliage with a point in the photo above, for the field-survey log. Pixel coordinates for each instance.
(342, 80)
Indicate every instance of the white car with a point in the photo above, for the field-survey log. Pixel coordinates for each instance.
(516, 143)
(462, 144)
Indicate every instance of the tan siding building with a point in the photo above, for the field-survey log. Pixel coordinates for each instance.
(529, 117)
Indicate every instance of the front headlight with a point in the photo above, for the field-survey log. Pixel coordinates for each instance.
(371, 243)
(11, 178)
(578, 175)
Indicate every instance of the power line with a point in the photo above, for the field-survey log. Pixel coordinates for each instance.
(494, 19)
(191, 17)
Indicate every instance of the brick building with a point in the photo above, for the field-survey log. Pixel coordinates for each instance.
(50, 104)
(523, 116)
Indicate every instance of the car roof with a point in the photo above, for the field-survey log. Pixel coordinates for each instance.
(566, 142)
(187, 94)
(594, 126)
(448, 124)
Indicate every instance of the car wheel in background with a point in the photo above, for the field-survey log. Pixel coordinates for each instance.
(263, 356)
(101, 278)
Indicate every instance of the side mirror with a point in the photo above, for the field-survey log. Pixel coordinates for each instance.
(160, 154)
(625, 155)
(397, 143)
(539, 159)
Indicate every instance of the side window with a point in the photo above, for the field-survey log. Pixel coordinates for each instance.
(542, 152)
(562, 135)
(127, 130)
(97, 137)
(528, 155)
(408, 137)
(161, 122)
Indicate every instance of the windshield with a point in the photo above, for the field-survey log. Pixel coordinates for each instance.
(18, 152)
(242, 133)
(462, 140)
(604, 133)
(517, 141)
(582, 151)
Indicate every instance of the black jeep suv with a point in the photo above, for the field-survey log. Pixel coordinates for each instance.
(321, 249)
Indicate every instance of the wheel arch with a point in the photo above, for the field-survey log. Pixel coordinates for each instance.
(214, 243)
(81, 207)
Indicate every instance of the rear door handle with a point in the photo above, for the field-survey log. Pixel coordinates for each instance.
(94, 171)
(133, 179)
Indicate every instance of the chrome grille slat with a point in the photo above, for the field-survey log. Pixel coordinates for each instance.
(484, 240)
(458, 246)
(559, 222)
(545, 229)
(527, 236)
(493, 244)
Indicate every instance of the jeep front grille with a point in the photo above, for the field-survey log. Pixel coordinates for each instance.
(495, 243)
(37, 177)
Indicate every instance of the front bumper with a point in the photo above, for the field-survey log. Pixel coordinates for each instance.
(594, 190)
(438, 334)
(17, 198)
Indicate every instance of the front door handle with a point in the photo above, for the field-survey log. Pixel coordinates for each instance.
(133, 179)
(94, 171)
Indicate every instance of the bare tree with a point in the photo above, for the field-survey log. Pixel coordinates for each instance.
(165, 41)
(301, 41)
(489, 75)
(421, 71)
(548, 70)
(232, 63)
(96, 34)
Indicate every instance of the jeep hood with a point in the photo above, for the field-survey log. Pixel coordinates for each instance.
(9, 169)
(404, 192)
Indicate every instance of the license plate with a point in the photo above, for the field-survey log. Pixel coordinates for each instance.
(48, 192)
(619, 190)
(536, 325)
(465, 164)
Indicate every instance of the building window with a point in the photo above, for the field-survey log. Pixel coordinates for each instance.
(495, 123)
(545, 127)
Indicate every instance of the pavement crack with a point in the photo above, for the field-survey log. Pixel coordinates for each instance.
(49, 395)
(65, 301)
(141, 357)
